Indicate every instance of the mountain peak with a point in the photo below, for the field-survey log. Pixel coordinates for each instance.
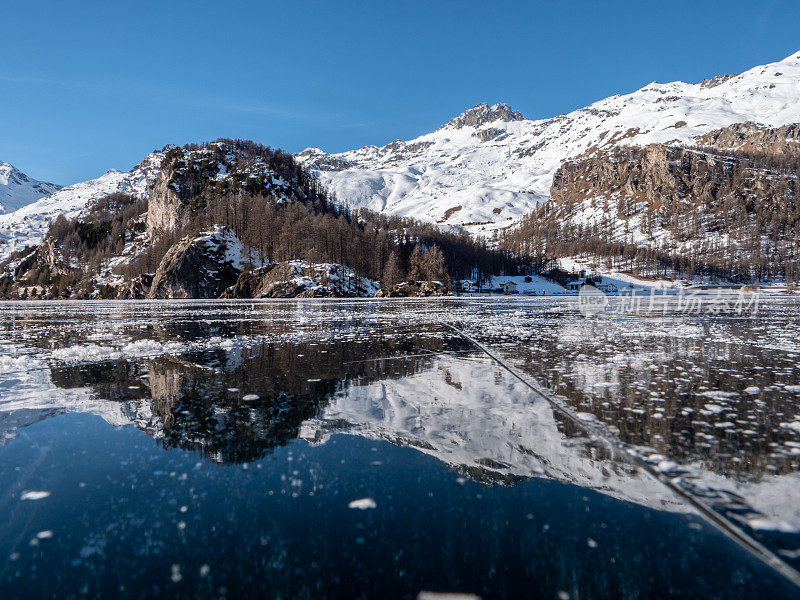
(7, 171)
(18, 190)
(482, 113)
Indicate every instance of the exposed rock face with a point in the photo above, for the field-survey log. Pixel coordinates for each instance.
(30, 273)
(193, 178)
(136, 289)
(298, 279)
(660, 174)
(270, 281)
(319, 159)
(717, 80)
(199, 267)
(167, 212)
(48, 256)
(490, 133)
(754, 137)
(175, 192)
(652, 174)
(408, 289)
(482, 113)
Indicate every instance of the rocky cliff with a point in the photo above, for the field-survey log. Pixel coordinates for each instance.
(168, 212)
(199, 267)
(754, 137)
(744, 163)
(299, 279)
(136, 288)
(193, 177)
(729, 205)
(655, 174)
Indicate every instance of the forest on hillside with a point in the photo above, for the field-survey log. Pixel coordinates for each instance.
(303, 223)
(735, 216)
(388, 249)
(732, 214)
(312, 226)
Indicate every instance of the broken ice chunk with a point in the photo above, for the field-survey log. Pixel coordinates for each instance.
(446, 596)
(34, 495)
(363, 504)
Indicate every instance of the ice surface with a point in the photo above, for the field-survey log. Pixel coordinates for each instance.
(707, 402)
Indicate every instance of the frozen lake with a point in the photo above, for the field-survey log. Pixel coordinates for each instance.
(368, 449)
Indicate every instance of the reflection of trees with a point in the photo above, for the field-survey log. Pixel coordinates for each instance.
(113, 380)
(197, 404)
(630, 391)
(196, 409)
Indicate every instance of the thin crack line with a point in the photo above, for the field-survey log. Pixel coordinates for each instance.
(721, 523)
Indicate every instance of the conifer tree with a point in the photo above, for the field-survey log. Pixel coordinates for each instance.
(416, 264)
(393, 272)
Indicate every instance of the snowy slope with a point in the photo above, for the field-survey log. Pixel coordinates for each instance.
(18, 190)
(489, 166)
(27, 226)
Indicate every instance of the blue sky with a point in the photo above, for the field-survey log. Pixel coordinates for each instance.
(89, 86)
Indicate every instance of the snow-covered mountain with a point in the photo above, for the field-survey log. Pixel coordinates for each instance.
(28, 225)
(489, 166)
(18, 190)
(482, 170)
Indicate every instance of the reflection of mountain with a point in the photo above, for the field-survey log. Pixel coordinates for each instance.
(420, 391)
(412, 391)
(30, 396)
(263, 402)
(476, 417)
(234, 406)
(686, 395)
